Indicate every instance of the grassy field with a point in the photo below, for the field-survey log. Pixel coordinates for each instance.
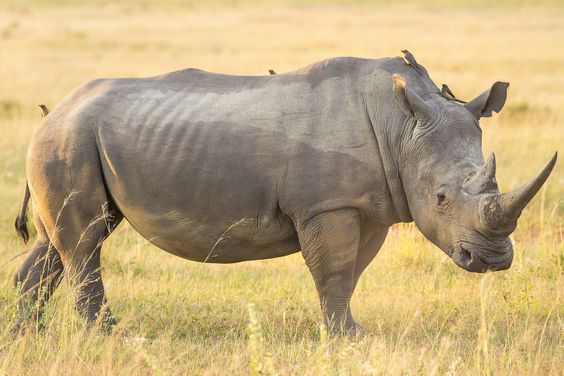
(423, 314)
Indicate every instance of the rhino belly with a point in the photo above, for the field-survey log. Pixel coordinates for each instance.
(201, 227)
(213, 240)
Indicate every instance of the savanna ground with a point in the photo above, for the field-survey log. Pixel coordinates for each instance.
(424, 315)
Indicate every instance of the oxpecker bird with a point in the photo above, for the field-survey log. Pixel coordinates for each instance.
(44, 110)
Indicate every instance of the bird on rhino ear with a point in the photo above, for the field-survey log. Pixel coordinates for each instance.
(490, 100)
(408, 101)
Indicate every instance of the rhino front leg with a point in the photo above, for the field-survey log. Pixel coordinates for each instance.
(329, 244)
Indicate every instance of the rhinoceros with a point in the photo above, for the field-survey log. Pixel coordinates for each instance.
(222, 169)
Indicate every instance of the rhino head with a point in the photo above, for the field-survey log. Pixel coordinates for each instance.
(451, 192)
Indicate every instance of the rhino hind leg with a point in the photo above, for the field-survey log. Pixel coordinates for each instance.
(329, 244)
(36, 280)
(78, 215)
(91, 301)
(85, 224)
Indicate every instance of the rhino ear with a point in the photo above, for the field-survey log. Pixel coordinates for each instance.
(490, 100)
(409, 103)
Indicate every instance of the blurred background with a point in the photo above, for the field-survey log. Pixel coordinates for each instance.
(427, 315)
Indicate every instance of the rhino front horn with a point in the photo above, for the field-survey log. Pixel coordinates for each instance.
(500, 212)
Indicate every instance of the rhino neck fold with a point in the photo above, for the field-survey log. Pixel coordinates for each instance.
(393, 178)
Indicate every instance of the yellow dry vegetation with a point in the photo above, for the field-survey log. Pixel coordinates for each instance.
(424, 315)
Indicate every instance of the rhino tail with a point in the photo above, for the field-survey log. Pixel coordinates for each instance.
(21, 220)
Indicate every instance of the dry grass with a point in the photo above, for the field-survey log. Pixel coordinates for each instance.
(426, 316)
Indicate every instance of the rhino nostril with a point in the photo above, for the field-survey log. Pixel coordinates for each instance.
(466, 256)
(484, 259)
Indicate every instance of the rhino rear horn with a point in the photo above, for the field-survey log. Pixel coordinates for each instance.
(484, 180)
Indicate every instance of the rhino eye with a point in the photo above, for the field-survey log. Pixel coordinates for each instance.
(441, 197)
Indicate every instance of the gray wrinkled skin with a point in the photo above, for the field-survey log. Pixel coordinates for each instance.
(322, 160)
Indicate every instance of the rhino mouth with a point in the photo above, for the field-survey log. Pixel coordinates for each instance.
(476, 260)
